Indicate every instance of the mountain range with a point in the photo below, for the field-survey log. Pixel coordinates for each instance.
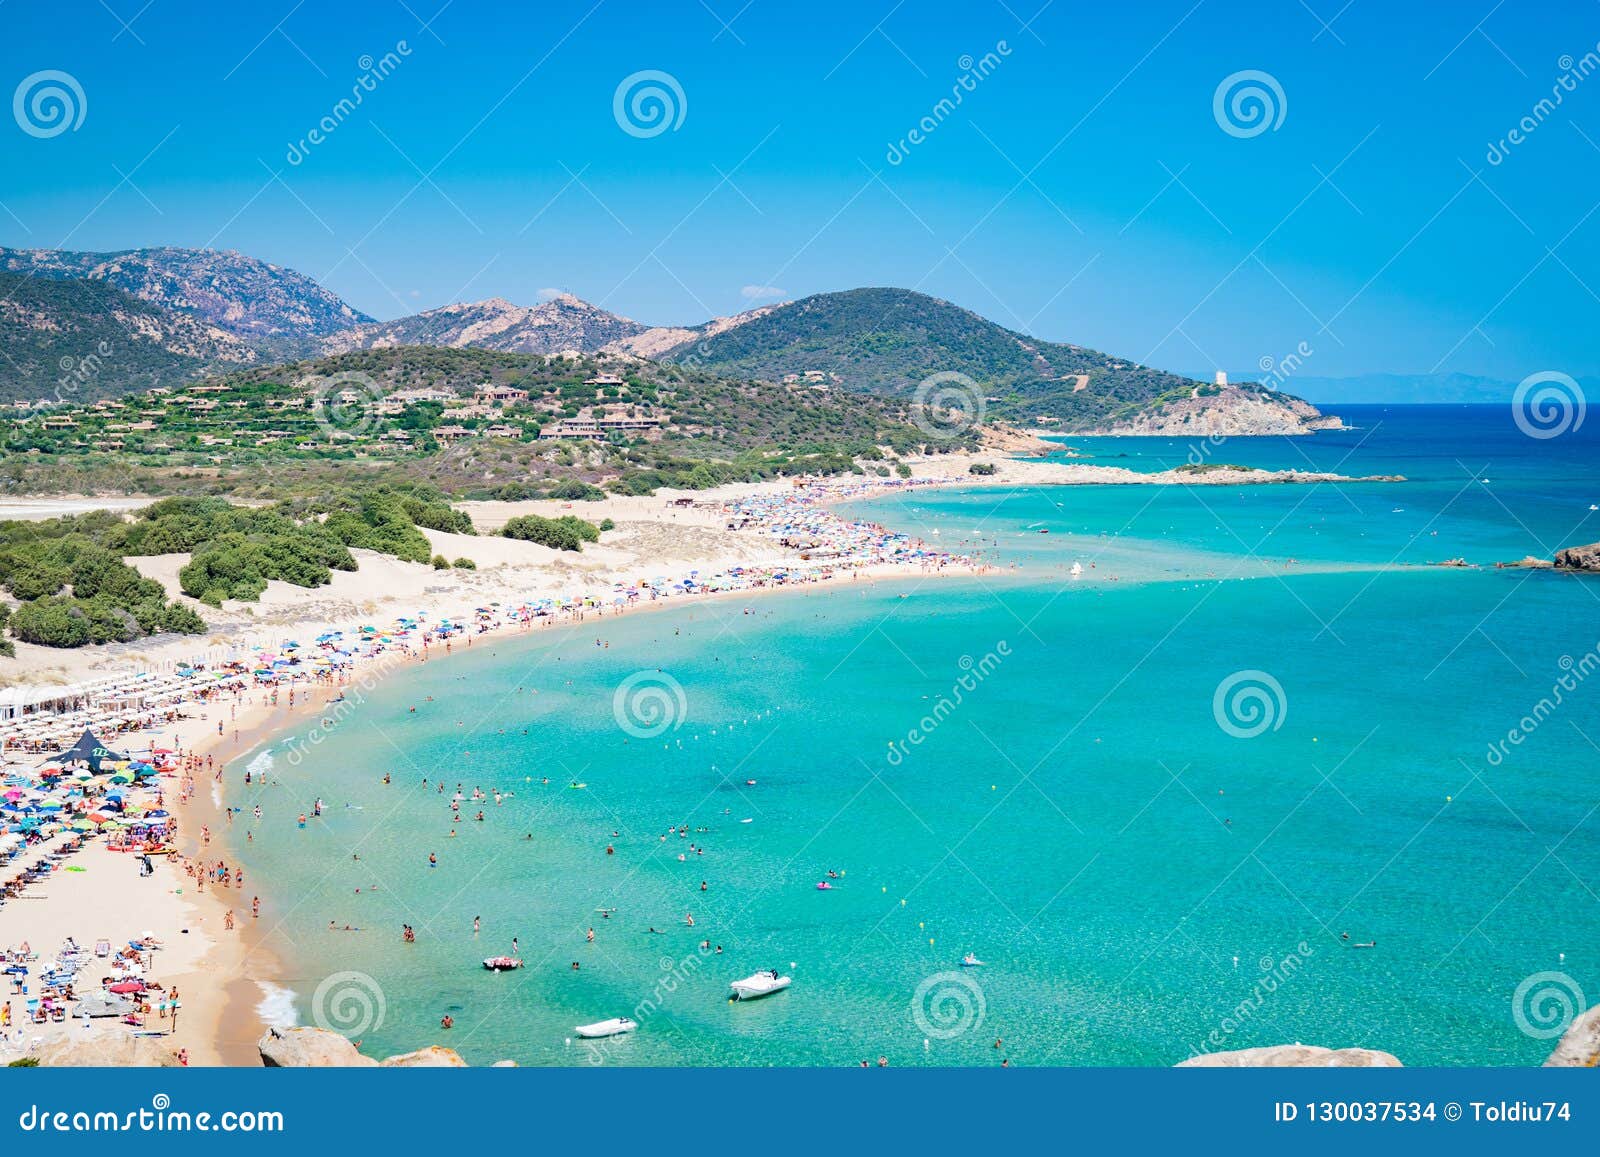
(70, 340)
(253, 300)
(180, 314)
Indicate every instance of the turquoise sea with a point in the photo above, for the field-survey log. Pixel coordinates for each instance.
(1153, 799)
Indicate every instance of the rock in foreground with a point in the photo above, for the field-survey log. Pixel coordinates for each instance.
(317, 1048)
(309, 1048)
(102, 1050)
(432, 1057)
(1293, 1057)
(1580, 1046)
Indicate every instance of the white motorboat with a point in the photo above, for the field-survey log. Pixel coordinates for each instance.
(760, 984)
(1077, 569)
(616, 1026)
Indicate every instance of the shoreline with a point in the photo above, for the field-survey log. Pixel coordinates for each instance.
(227, 983)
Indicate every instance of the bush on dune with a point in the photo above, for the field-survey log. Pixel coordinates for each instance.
(564, 533)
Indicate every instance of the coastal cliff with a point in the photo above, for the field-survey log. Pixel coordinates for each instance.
(1222, 412)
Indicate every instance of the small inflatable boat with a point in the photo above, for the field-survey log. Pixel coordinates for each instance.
(616, 1026)
(761, 984)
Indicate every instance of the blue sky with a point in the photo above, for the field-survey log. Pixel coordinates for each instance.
(1083, 190)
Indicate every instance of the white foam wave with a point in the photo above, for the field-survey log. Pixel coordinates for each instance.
(276, 1006)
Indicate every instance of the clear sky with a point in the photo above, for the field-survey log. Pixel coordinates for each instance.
(1083, 189)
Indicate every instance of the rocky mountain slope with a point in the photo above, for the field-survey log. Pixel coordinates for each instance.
(251, 299)
(658, 340)
(77, 341)
(560, 324)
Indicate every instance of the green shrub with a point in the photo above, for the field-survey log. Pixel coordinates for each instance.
(464, 564)
(440, 562)
(51, 622)
(565, 533)
(982, 469)
(575, 490)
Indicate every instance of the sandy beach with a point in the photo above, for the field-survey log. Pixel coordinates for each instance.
(660, 542)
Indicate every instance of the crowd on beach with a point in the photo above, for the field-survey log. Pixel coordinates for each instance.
(50, 814)
(52, 807)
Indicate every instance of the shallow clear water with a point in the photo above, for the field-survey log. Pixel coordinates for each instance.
(1131, 870)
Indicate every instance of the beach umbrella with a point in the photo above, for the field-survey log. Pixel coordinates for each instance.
(157, 814)
(88, 750)
(82, 826)
(126, 986)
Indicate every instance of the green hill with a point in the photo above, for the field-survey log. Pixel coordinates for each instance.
(72, 340)
(891, 340)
